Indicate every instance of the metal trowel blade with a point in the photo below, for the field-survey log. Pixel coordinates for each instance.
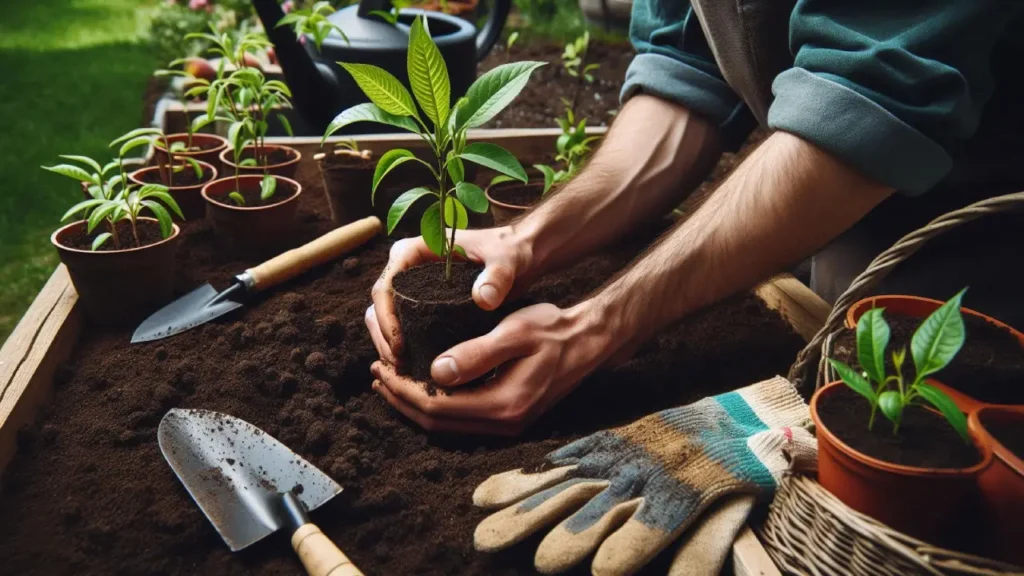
(197, 307)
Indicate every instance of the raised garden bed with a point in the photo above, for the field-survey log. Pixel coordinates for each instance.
(89, 491)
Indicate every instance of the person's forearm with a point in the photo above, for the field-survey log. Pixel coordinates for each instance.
(783, 203)
(655, 154)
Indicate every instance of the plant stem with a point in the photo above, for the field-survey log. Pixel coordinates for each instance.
(113, 234)
(170, 161)
(135, 233)
(871, 420)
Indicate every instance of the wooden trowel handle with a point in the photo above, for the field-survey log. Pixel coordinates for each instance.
(319, 555)
(325, 248)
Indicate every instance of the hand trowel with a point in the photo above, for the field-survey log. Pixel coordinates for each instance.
(250, 485)
(205, 303)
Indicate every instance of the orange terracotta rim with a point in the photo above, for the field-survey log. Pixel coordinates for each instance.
(257, 177)
(297, 156)
(134, 176)
(977, 428)
(53, 239)
(487, 192)
(222, 143)
(899, 469)
(917, 306)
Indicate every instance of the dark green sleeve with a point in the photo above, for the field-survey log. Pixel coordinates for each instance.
(890, 87)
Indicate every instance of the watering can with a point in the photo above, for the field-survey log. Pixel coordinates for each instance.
(321, 89)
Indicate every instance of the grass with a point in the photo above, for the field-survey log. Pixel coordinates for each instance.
(73, 76)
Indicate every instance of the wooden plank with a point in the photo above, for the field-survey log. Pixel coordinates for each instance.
(43, 339)
(749, 558)
(804, 309)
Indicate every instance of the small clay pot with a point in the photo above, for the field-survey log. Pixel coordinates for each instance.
(348, 182)
(431, 327)
(119, 287)
(286, 168)
(916, 307)
(210, 146)
(921, 502)
(250, 229)
(504, 212)
(1001, 483)
(189, 198)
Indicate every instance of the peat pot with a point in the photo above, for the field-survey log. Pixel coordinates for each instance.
(252, 229)
(210, 146)
(509, 200)
(119, 287)
(284, 161)
(348, 181)
(189, 198)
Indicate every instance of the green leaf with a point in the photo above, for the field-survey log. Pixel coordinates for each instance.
(891, 404)
(72, 171)
(369, 112)
(382, 89)
(455, 214)
(267, 187)
(162, 216)
(549, 175)
(898, 356)
(854, 380)
(939, 338)
(496, 158)
(83, 206)
(945, 404)
(100, 214)
(137, 133)
(428, 74)
(472, 196)
(108, 167)
(133, 144)
(99, 240)
(285, 124)
(431, 230)
(388, 162)
(461, 252)
(872, 340)
(195, 166)
(238, 198)
(493, 91)
(248, 163)
(456, 170)
(178, 146)
(84, 160)
(160, 193)
(500, 178)
(402, 205)
(387, 16)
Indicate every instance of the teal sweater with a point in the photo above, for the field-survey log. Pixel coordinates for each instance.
(894, 88)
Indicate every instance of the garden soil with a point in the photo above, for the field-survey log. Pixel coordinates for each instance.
(518, 195)
(90, 493)
(182, 179)
(147, 231)
(251, 192)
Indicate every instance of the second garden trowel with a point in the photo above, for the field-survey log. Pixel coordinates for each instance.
(250, 485)
(205, 303)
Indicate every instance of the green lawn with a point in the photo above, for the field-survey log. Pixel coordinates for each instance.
(72, 74)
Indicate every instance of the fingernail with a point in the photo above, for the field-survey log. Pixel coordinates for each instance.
(489, 294)
(445, 371)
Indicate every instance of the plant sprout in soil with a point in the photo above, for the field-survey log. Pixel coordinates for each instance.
(934, 345)
(195, 88)
(390, 103)
(149, 137)
(313, 22)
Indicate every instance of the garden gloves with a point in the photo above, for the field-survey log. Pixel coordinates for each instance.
(636, 488)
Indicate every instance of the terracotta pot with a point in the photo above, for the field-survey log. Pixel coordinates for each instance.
(917, 307)
(286, 169)
(211, 144)
(922, 502)
(348, 181)
(1002, 484)
(189, 198)
(503, 212)
(119, 287)
(250, 229)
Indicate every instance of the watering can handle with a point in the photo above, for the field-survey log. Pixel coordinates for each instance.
(491, 32)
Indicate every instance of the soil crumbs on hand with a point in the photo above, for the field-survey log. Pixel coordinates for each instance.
(90, 493)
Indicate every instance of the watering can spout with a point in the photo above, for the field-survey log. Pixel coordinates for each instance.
(315, 89)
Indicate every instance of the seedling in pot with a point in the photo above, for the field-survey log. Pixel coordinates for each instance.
(195, 87)
(934, 345)
(147, 137)
(267, 188)
(390, 103)
(313, 22)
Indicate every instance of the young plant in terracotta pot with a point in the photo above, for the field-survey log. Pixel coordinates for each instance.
(192, 143)
(120, 262)
(433, 301)
(917, 473)
(182, 176)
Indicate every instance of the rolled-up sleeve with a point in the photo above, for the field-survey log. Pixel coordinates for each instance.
(890, 88)
(674, 62)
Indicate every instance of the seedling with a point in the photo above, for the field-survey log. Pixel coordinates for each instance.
(391, 16)
(509, 43)
(267, 188)
(390, 103)
(147, 137)
(934, 345)
(313, 21)
(197, 88)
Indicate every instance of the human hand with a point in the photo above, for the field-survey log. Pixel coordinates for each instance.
(506, 261)
(637, 488)
(543, 351)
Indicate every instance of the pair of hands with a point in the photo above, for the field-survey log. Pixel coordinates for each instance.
(543, 351)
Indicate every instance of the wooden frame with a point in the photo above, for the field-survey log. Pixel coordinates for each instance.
(49, 330)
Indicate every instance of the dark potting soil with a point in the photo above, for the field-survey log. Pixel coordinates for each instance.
(989, 367)
(147, 230)
(925, 439)
(273, 157)
(251, 192)
(518, 195)
(1009, 434)
(90, 493)
(182, 178)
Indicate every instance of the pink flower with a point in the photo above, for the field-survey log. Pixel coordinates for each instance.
(288, 6)
(197, 4)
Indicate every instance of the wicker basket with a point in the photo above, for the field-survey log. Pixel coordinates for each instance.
(808, 530)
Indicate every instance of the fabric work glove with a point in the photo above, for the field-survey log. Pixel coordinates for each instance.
(636, 488)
